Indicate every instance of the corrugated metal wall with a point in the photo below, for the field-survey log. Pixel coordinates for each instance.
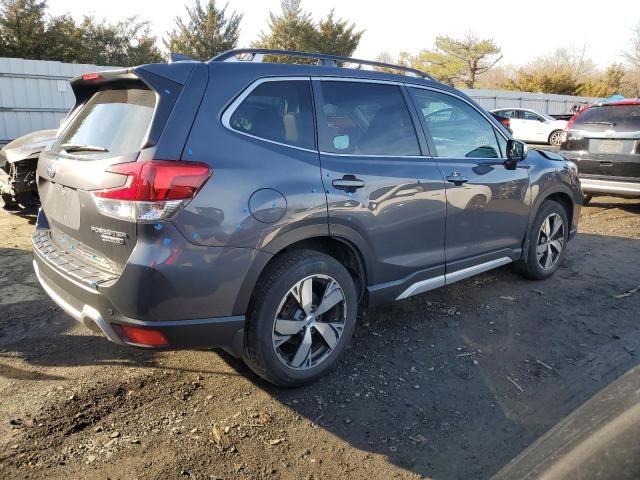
(35, 95)
(540, 102)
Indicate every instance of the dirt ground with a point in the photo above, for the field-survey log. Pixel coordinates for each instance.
(449, 384)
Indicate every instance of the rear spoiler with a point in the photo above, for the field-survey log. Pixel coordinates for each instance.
(165, 80)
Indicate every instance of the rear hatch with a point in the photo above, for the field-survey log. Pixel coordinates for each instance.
(85, 181)
(605, 141)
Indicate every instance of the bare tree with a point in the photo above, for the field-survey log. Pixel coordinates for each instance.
(572, 60)
(632, 54)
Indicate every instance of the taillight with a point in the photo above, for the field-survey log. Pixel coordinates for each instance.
(154, 190)
(575, 116)
(506, 122)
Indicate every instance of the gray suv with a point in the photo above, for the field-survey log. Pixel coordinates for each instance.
(256, 206)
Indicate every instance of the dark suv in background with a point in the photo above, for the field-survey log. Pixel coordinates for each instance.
(257, 206)
(604, 141)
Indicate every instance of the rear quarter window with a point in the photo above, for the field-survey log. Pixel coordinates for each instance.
(116, 120)
(279, 111)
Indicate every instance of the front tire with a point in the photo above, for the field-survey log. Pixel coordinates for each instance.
(548, 238)
(555, 138)
(301, 318)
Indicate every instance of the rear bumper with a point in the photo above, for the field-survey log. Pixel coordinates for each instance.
(79, 311)
(617, 187)
(91, 309)
(191, 294)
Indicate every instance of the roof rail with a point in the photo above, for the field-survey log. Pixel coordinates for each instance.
(257, 55)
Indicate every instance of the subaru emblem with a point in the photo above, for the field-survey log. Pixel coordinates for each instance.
(51, 170)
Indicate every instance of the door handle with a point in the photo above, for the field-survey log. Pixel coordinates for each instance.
(457, 179)
(348, 183)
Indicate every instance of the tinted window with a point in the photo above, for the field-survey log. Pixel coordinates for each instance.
(445, 114)
(365, 119)
(507, 113)
(279, 111)
(623, 117)
(117, 120)
(530, 116)
(467, 134)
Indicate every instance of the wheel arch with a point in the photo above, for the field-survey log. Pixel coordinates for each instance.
(346, 252)
(560, 194)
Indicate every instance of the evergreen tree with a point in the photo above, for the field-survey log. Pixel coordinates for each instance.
(294, 29)
(22, 28)
(337, 37)
(457, 61)
(208, 31)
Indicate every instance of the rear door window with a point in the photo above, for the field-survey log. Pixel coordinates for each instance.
(530, 116)
(114, 121)
(619, 117)
(507, 113)
(279, 111)
(465, 134)
(359, 118)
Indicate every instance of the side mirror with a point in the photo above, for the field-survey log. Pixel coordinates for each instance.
(516, 152)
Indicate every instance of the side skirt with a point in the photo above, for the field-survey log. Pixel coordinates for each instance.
(449, 278)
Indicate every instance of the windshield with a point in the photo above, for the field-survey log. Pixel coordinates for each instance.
(622, 117)
(111, 123)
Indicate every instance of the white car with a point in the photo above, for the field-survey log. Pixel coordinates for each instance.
(531, 126)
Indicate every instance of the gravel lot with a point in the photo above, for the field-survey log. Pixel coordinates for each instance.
(449, 384)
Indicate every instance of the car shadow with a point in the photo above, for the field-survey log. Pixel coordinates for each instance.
(611, 202)
(29, 212)
(449, 384)
(26, 332)
(457, 382)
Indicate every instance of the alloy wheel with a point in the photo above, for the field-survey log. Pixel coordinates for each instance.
(550, 241)
(309, 322)
(556, 138)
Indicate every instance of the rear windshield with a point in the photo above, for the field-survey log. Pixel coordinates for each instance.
(113, 121)
(623, 117)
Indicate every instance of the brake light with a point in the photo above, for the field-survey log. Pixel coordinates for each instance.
(92, 76)
(506, 122)
(154, 190)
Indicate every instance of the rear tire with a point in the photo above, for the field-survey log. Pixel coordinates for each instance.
(548, 238)
(555, 138)
(301, 318)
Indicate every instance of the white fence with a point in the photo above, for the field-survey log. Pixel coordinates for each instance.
(35, 95)
(540, 102)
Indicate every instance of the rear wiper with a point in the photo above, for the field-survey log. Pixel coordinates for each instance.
(612, 124)
(77, 147)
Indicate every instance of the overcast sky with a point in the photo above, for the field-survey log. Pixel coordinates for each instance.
(524, 30)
